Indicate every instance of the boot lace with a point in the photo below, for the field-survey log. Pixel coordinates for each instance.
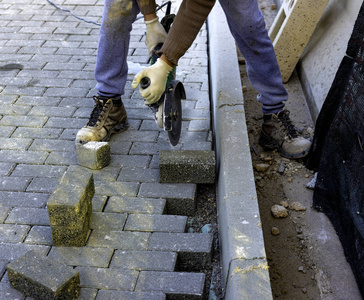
(287, 123)
(97, 110)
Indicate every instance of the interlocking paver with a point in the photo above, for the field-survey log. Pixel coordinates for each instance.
(28, 216)
(155, 223)
(122, 240)
(135, 205)
(82, 256)
(108, 279)
(116, 295)
(144, 260)
(173, 284)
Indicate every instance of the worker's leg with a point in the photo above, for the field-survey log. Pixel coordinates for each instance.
(109, 114)
(247, 25)
(111, 65)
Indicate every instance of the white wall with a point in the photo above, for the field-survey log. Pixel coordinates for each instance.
(323, 54)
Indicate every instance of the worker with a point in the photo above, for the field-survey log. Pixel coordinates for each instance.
(247, 26)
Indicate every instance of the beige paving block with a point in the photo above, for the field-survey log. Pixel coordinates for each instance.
(292, 29)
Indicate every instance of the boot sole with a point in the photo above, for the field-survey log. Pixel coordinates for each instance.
(269, 144)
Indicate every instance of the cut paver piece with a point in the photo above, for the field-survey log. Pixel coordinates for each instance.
(42, 278)
(153, 223)
(70, 207)
(187, 166)
(93, 155)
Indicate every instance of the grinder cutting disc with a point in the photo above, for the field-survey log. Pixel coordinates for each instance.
(173, 110)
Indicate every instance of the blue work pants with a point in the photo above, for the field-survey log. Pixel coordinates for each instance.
(246, 24)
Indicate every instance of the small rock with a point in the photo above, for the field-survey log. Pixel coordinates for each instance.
(244, 88)
(273, 7)
(304, 290)
(281, 169)
(284, 203)
(261, 167)
(301, 269)
(279, 211)
(310, 131)
(275, 231)
(296, 206)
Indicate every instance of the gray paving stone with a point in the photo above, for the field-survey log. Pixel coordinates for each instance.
(137, 136)
(40, 277)
(26, 170)
(15, 143)
(28, 216)
(153, 223)
(3, 264)
(116, 188)
(119, 239)
(5, 131)
(39, 235)
(4, 212)
(23, 121)
(144, 260)
(14, 109)
(11, 233)
(108, 279)
(12, 251)
(120, 147)
(117, 295)
(88, 294)
(138, 174)
(52, 145)
(98, 202)
(175, 285)
(16, 90)
(187, 166)
(140, 161)
(69, 134)
(194, 249)
(135, 205)
(180, 196)
(62, 158)
(23, 199)
(18, 156)
(42, 185)
(51, 111)
(8, 293)
(57, 122)
(12, 183)
(102, 220)
(82, 256)
(37, 133)
(31, 100)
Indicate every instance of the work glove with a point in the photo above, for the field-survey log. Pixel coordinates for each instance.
(158, 74)
(155, 34)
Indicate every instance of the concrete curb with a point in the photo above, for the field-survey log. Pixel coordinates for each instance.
(244, 267)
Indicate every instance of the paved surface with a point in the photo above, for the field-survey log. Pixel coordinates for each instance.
(46, 86)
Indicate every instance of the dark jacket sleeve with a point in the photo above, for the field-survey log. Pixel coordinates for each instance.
(188, 22)
(147, 6)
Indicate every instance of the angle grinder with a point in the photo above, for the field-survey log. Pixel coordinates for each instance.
(168, 109)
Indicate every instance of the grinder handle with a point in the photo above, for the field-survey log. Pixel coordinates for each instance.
(145, 82)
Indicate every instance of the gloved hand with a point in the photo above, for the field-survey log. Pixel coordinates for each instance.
(155, 34)
(158, 74)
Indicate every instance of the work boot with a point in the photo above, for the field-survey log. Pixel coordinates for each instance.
(107, 117)
(279, 133)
